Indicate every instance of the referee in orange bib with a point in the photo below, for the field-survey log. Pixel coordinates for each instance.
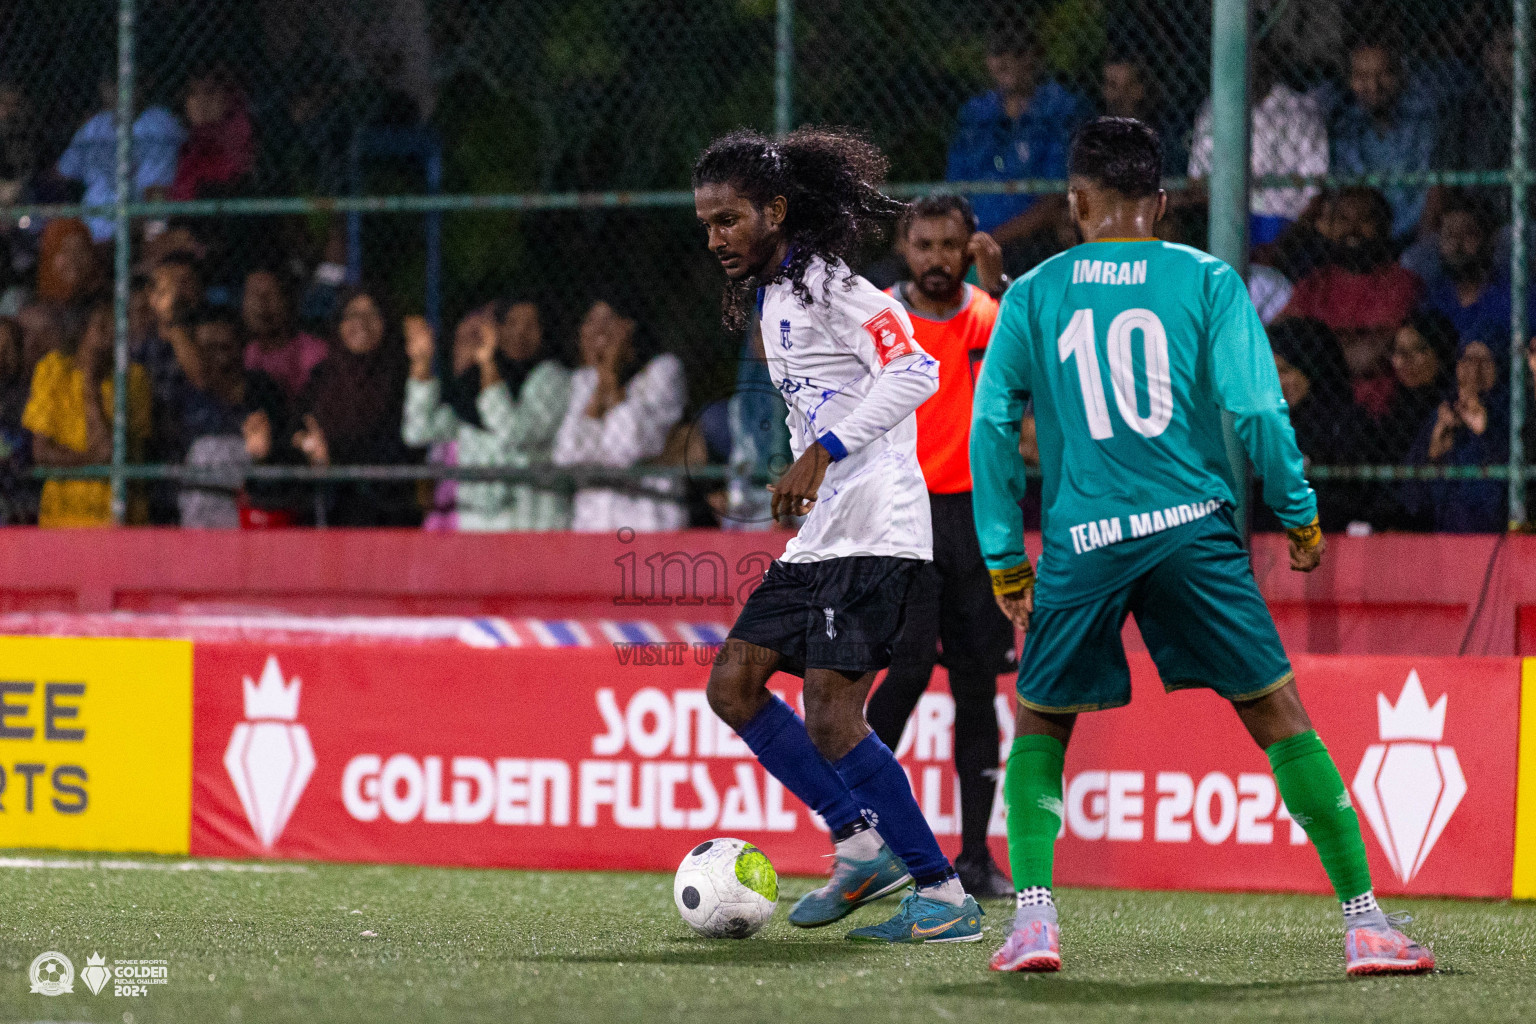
(953, 605)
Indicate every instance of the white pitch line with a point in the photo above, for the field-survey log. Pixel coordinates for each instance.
(152, 865)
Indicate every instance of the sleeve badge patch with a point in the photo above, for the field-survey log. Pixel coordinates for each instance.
(890, 336)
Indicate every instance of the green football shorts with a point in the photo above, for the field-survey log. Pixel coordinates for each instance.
(1198, 610)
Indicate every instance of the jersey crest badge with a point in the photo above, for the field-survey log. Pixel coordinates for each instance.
(784, 333)
(889, 335)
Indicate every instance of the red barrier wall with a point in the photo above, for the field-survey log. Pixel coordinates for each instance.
(1386, 594)
(578, 758)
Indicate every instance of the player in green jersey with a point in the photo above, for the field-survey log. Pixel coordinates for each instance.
(1130, 349)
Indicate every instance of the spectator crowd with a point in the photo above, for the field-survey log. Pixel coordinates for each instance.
(219, 389)
(1389, 310)
(242, 356)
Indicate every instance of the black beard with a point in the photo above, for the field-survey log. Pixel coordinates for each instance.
(1362, 258)
(739, 301)
(1471, 272)
(949, 294)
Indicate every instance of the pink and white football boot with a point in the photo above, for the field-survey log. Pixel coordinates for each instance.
(1376, 950)
(1033, 945)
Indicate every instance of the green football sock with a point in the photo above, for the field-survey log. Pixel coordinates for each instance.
(1032, 787)
(1314, 794)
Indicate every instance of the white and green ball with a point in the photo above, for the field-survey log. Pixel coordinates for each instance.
(726, 889)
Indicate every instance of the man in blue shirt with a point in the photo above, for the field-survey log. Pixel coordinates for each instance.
(1471, 289)
(1386, 127)
(1020, 129)
(1131, 90)
(92, 155)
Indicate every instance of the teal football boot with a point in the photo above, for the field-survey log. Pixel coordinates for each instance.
(853, 884)
(921, 919)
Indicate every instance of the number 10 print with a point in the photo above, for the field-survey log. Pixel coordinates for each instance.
(1078, 341)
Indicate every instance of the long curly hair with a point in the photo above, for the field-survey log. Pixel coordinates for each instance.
(830, 179)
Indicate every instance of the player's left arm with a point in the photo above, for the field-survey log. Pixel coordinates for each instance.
(880, 335)
(1247, 385)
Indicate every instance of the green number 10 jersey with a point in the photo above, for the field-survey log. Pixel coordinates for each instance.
(1130, 351)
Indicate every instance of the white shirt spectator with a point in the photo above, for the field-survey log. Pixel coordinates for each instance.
(1269, 290)
(516, 432)
(1289, 137)
(634, 430)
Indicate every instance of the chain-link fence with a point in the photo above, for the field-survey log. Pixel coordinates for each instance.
(1395, 340)
(447, 154)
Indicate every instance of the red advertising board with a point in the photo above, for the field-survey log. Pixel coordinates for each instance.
(608, 757)
(541, 758)
(1170, 792)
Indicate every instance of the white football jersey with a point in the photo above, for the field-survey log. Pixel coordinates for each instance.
(852, 376)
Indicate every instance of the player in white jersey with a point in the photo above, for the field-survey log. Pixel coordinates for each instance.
(852, 375)
(782, 217)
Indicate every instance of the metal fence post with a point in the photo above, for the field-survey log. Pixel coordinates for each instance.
(120, 259)
(784, 68)
(1228, 182)
(434, 282)
(1519, 268)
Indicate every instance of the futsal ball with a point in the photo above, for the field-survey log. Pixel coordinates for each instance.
(726, 889)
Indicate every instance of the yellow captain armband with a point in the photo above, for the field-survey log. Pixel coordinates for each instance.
(1009, 582)
(1308, 536)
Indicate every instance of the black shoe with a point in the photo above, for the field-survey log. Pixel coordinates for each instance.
(981, 878)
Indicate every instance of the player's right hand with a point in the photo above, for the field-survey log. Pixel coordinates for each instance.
(795, 492)
(1018, 607)
(1014, 589)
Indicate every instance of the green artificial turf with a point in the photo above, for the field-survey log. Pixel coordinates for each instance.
(458, 945)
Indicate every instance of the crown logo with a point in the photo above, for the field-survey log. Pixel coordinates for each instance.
(1412, 718)
(95, 974)
(1409, 784)
(273, 698)
(269, 758)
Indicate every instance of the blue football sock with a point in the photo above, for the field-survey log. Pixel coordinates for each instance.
(878, 783)
(778, 737)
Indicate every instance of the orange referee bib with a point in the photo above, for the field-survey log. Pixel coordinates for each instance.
(944, 421)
